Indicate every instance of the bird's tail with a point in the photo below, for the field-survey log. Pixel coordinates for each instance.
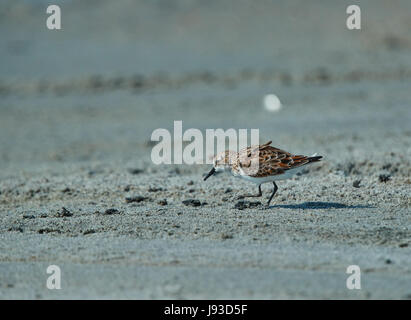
(314, 158)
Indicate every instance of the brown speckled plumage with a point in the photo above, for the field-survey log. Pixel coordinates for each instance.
(264, 160)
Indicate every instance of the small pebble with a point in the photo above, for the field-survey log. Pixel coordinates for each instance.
(111, 211)
(192, 202)
(64, 213)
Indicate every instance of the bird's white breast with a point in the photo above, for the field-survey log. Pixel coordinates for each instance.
(286, 175)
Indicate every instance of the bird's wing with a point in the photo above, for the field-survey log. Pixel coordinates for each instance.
(265, 160)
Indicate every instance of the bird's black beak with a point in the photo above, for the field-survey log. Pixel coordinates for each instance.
(209, 174)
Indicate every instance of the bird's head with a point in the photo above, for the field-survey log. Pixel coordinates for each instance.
(222, 162)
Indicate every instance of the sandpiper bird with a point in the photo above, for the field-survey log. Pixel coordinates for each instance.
(260, 164)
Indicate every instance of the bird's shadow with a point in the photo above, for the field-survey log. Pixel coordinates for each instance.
(319, 205)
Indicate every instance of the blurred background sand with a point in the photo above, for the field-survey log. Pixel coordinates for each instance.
(78, 106)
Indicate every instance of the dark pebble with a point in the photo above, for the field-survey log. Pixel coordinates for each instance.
(384, 177)
(111, 211)
(47, 230)
(356, 183)
(192, 202)
(64, 213)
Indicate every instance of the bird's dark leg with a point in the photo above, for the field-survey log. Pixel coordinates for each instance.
(253, 195)
(272, 195)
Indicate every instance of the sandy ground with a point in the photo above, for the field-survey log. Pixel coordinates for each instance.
(77, 109)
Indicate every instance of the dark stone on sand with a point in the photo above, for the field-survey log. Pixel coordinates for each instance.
(163, 202)
(47, 230)
(111, 211)
(384, 177)
(64, 213)
(356, 183)
(192, 202)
